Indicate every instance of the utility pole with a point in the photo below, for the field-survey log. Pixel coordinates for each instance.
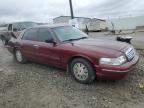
(71, 9)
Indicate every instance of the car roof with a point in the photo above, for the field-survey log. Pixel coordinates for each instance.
(20, 22)
(52, 25)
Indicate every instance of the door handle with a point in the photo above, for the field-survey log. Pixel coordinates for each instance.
(37, 46)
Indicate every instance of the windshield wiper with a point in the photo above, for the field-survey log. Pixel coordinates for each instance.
(75, 39)
(82, 37)
(69, 40)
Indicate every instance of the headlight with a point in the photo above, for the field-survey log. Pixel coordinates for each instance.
(113, 61)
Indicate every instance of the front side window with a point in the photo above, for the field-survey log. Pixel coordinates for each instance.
(30, 34)
(65, 33)
(44, 35)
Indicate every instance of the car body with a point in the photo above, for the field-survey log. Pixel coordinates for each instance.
(103, 59)
(13, 30)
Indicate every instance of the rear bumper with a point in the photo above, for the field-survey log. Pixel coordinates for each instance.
(115, 72)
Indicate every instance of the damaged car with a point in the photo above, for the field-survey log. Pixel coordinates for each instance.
(13, 30)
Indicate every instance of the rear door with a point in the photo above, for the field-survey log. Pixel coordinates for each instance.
(48, 52)
(29, 45)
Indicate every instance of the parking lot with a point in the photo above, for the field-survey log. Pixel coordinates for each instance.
(33, 85)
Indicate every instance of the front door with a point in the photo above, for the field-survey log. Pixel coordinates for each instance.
(48, 52)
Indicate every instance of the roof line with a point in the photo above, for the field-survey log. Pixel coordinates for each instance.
(70, 16)
(79, 17)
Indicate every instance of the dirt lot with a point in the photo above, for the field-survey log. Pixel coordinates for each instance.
(36, 86)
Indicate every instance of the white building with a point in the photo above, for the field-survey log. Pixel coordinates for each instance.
(128, 23)
(81, 22)
(65, 19)
(96, 24)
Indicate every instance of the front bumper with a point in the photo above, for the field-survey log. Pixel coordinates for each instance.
(115, 72)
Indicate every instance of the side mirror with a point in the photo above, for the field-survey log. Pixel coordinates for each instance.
(50, 41)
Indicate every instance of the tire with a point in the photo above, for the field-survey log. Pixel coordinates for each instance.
(82, 71)
(4, 41)
(19, 56)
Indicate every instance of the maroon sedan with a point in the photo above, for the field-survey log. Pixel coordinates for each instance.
(69, 48)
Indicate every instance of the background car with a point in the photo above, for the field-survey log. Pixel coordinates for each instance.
(13, 30)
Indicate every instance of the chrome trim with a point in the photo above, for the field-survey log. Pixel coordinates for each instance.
(130, 53)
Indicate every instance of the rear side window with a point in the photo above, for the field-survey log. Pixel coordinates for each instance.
(44, 35)
(30, 34)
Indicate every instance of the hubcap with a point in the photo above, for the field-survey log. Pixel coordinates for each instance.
(80, 71)
(18, 56)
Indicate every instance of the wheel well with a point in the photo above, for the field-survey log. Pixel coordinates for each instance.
(75, 57)
(14, 49)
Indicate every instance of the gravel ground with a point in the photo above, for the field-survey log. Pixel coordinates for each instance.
(37, 86)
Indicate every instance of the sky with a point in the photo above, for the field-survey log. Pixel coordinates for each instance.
(46, 10)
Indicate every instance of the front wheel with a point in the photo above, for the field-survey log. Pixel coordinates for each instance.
(19, 56)
(82, 71)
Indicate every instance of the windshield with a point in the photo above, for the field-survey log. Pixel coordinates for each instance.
(69, 33)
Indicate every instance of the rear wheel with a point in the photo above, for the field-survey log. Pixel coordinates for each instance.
(82, 71)
(4, 41)
(19, 56)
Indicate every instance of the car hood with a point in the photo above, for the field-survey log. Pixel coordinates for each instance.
(101, 45)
